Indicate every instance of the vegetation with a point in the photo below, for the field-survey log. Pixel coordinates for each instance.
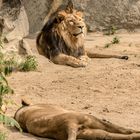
(115, 40)
(108, 45)
(7, 66)
(8, 121)
(29, 64)
(5, 90)
(2, 136)
(111, 30)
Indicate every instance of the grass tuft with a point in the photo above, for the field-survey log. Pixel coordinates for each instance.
(29, 64)
(115, 40)
(2, 136)
(111, 30)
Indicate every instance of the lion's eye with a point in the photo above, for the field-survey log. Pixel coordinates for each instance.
(71, 22)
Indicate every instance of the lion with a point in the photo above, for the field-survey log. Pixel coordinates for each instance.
(51, 121)
(62, 39)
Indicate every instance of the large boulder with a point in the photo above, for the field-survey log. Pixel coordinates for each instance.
(16, 23)
(102, 14)
(99, 14)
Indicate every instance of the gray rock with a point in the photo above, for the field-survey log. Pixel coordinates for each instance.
(16, 23)
(99, 14)
(21, 26)
(24, 48)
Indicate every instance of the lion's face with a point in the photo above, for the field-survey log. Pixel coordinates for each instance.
(72, 23)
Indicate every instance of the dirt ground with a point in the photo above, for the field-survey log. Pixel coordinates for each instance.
(106, 88)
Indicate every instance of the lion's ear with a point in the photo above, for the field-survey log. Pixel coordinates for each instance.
(70, 7)
(59, 18)
(80, 14)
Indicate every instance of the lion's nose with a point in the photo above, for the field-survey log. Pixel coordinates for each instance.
(81, 27)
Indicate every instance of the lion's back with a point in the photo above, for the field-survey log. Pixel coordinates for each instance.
(33, 112)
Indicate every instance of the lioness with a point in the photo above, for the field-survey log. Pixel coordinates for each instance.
(62, 39)
(50, 121)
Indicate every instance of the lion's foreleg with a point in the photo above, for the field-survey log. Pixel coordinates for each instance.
(97, 134)
(96, 55)
(63, 59)
(72, 131)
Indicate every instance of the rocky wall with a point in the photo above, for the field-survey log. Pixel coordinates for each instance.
(99, 14)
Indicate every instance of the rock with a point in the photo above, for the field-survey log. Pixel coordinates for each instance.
(99, 14)
(16, 23)
(24, 48)
(21, 26)
(36, 11)
(15, 26)
(105, 13)
(12, 47)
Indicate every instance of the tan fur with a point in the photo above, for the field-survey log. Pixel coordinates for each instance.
(66, 29)
(51, 121)
(71, 28)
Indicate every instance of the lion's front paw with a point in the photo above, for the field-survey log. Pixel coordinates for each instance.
(84, 58)
(83, 64)
(79, 64)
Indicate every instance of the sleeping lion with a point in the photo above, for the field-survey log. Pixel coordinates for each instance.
(51, 121)
(62, 39)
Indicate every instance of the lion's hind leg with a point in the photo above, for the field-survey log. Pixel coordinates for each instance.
(63, 59)
(98, 134)
(113, 128)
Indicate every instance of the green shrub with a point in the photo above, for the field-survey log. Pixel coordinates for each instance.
(6, 67)
(2, 136)
(29, 64)
(111, 30)
(4, 89)
(115, 40)
(8, 121)
(108, 45)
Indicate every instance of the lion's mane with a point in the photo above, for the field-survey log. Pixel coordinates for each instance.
(51, 40)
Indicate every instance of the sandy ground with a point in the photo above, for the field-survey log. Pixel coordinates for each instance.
(106, 88)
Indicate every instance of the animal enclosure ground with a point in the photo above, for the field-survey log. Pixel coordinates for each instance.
(106, 88)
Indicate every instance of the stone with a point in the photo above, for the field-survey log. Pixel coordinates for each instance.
(21, 26)
(99, 14)
(24, 47)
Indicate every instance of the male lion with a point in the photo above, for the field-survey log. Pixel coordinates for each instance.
(62, 39)
(50, 121)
